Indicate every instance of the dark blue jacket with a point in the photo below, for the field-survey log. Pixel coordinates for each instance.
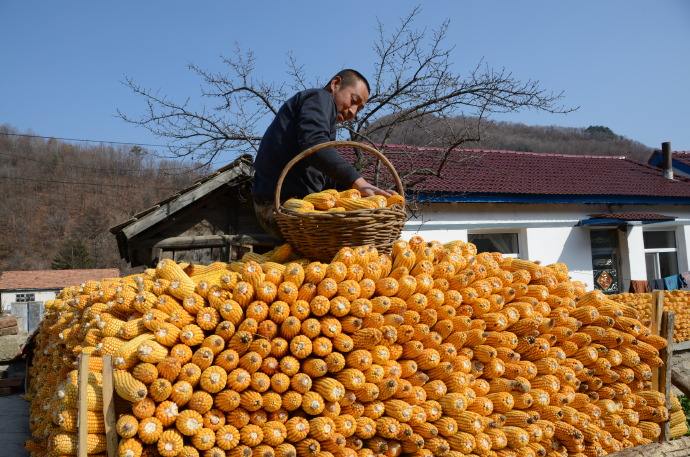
(306, 119)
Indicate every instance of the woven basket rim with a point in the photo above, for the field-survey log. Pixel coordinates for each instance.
(350, 215)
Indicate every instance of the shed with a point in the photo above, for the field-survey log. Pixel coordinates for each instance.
(213, 219)
(23, 293)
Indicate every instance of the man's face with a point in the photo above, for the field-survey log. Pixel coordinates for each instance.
(349, 99)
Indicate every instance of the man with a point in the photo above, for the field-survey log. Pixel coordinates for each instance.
(307, 119)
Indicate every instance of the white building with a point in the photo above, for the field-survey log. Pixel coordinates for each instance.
(610, 219)
(23, 293)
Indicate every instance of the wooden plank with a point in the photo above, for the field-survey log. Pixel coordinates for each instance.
(82, 424)
(681, 347)
(11, 382)
(667, 322)
(9, 331)
(109, 407)
(655, 327)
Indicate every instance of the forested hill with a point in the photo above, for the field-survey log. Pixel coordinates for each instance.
(59, 199)
(592, 140)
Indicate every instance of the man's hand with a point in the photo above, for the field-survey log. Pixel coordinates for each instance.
(367, 190)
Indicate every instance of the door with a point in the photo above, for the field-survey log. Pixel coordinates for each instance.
(606, 260)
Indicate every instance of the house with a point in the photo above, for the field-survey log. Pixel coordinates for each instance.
(610, 219)
(23, 293)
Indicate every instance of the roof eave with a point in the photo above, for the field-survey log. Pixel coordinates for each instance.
(24, 289)
(453, 197)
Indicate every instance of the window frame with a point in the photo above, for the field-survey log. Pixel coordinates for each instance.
(517, 233)
(25, 297)
(656, 251)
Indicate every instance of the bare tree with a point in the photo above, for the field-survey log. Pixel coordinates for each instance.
(413, 81)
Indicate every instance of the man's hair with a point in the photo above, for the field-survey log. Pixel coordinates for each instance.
(349, 76)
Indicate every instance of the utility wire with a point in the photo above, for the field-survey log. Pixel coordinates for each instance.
(124, 143)
(189, 169)
(26, 135)
(80, 183)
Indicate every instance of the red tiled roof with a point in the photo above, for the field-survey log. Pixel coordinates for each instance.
(52, 279)
(477, 171)
(633, 216)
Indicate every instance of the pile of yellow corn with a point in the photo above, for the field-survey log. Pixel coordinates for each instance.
(331, 201)
(642, 303)
(679, 424)
(434, 350)
(677, 301)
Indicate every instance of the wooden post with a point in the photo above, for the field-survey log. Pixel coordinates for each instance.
(655, 327)
(82, 424)
(109, 407)
(667, 322)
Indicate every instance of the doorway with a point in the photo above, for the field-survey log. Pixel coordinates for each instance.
(606, 260)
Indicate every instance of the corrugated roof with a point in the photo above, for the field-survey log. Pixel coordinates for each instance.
(52, 279)
(479, 171)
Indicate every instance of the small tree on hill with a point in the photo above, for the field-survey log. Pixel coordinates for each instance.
(72, 254)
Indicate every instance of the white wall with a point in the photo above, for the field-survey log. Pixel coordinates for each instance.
(682, 244)
(7, 298)
(569, 245)
(547, 232)
(632, 255)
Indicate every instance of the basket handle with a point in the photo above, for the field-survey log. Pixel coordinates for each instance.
(354, 144)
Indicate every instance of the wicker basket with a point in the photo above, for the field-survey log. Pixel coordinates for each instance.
(320, 236)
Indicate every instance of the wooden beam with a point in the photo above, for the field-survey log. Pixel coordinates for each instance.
(82, 405)
(655, 327)
(207, 241)
(667, 321)
(109, 407)
(681, 347)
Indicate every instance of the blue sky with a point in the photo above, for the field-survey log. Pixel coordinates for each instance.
(625, 63)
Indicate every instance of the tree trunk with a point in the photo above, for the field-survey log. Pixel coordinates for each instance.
(675, 448)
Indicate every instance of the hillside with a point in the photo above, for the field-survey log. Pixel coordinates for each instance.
(59, 200)
(593, 140)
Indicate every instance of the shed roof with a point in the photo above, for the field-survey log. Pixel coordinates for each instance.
(237, 171)
(51, 279)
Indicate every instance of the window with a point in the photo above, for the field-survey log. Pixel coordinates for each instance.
(23, 298)
(660, 254)
(505, 243)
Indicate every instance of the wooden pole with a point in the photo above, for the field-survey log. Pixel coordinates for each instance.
(667, 321)
(655, 327)
(82, 424)
(109, 407)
